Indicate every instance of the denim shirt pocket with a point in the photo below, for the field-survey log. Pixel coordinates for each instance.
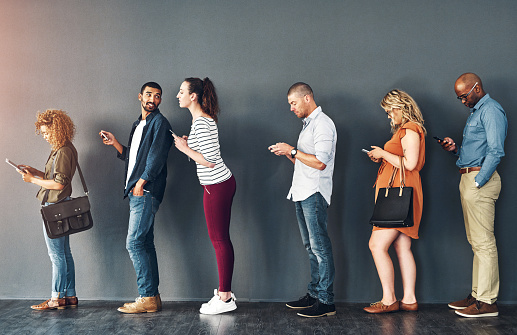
(474, 128)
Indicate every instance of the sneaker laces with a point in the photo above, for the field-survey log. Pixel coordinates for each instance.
(138, 300)
(214, 298)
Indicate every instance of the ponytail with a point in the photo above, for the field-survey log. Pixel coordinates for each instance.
(210, 105)
(206, 95)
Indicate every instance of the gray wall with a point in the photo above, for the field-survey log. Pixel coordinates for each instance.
(91, 57)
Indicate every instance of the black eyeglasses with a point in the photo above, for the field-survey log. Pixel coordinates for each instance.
(464, 96)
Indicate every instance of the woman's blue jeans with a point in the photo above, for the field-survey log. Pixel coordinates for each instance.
(63, 267)
(312, 220)
(140, 242)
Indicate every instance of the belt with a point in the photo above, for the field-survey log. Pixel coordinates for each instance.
(470, 169)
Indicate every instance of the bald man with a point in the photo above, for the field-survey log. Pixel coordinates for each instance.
(479, 154)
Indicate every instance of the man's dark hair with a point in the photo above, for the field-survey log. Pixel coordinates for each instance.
(300, 88)
(151, 84)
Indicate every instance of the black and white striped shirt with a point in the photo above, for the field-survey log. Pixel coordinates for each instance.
(204, 138)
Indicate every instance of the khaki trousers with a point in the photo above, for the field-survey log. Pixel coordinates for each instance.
(479, 213)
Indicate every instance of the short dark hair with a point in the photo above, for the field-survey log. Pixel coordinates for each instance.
(151, 84)
(301, 88)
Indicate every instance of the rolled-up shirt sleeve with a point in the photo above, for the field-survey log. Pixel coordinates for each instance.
(324, 142)
(63, 166)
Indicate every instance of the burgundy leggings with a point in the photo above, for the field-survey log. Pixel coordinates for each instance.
(217, 202)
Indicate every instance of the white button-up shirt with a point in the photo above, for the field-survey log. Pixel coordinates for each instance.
(318, 137)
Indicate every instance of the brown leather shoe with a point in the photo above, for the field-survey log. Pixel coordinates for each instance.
(71, 302)
(53, 303)
(379, 307)
(462, 304)
(409, 307)
(141, 305)
(479, 309)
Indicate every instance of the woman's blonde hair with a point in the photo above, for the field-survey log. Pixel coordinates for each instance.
(60, 126)
(410, 111)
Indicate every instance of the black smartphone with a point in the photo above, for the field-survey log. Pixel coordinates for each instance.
(438, 139)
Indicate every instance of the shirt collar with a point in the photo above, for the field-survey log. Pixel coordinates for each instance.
(480, 103)
(312, 116)
(150, 116)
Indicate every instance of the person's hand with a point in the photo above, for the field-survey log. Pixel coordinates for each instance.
(181, 143)
(26, 175)
(375, 154)
(448, 144)
(26, 168)
(138, 190)
(281, 149)
(109, 138)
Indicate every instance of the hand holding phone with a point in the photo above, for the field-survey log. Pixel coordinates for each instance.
(438, 139)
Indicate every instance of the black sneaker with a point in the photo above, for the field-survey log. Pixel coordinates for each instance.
(318, 309)
(304, 302)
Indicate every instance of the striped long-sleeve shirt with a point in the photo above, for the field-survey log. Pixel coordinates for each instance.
(204, 138)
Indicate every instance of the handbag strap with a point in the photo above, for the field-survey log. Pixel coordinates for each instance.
(85, 189)
(402, 176)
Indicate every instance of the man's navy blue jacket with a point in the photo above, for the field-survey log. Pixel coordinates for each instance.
(151, 160)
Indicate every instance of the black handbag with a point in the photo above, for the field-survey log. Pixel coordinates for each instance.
(67, 217)
(394, 205)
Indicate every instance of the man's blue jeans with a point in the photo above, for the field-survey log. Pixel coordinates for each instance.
(312, 220)
(140, 242)
(63, 267)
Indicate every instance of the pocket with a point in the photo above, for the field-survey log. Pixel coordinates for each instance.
(475, 127)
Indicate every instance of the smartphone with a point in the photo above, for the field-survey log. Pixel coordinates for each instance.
(173, 134)
(105, 137)
(365, 151)
(438, 139)
(12, 164)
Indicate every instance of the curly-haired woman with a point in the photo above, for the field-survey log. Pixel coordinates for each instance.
(408, 142)
(58, 130)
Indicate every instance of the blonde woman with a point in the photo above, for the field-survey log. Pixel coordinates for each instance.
(408, 142)
(58, 130)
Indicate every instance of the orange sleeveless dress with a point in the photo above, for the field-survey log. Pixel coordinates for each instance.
(394, 146)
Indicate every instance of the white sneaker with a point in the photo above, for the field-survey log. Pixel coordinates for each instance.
(217, 306)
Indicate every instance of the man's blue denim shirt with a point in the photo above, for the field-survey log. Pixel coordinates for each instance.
(151, 160)
(483, 138)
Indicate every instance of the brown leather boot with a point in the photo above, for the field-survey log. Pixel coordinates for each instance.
(141, 305)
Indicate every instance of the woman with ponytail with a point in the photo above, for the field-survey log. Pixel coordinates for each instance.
(202, 145)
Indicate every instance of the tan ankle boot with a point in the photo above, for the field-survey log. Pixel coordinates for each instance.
(141, 305)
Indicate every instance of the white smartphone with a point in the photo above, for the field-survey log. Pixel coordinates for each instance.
(365, 151)
(12, 164)
(173, 134)
(105, 137)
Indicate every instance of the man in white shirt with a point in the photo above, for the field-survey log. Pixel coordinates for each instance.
(146, 177)
(311, 190)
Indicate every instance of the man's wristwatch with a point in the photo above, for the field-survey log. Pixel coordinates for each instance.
(294, 152)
